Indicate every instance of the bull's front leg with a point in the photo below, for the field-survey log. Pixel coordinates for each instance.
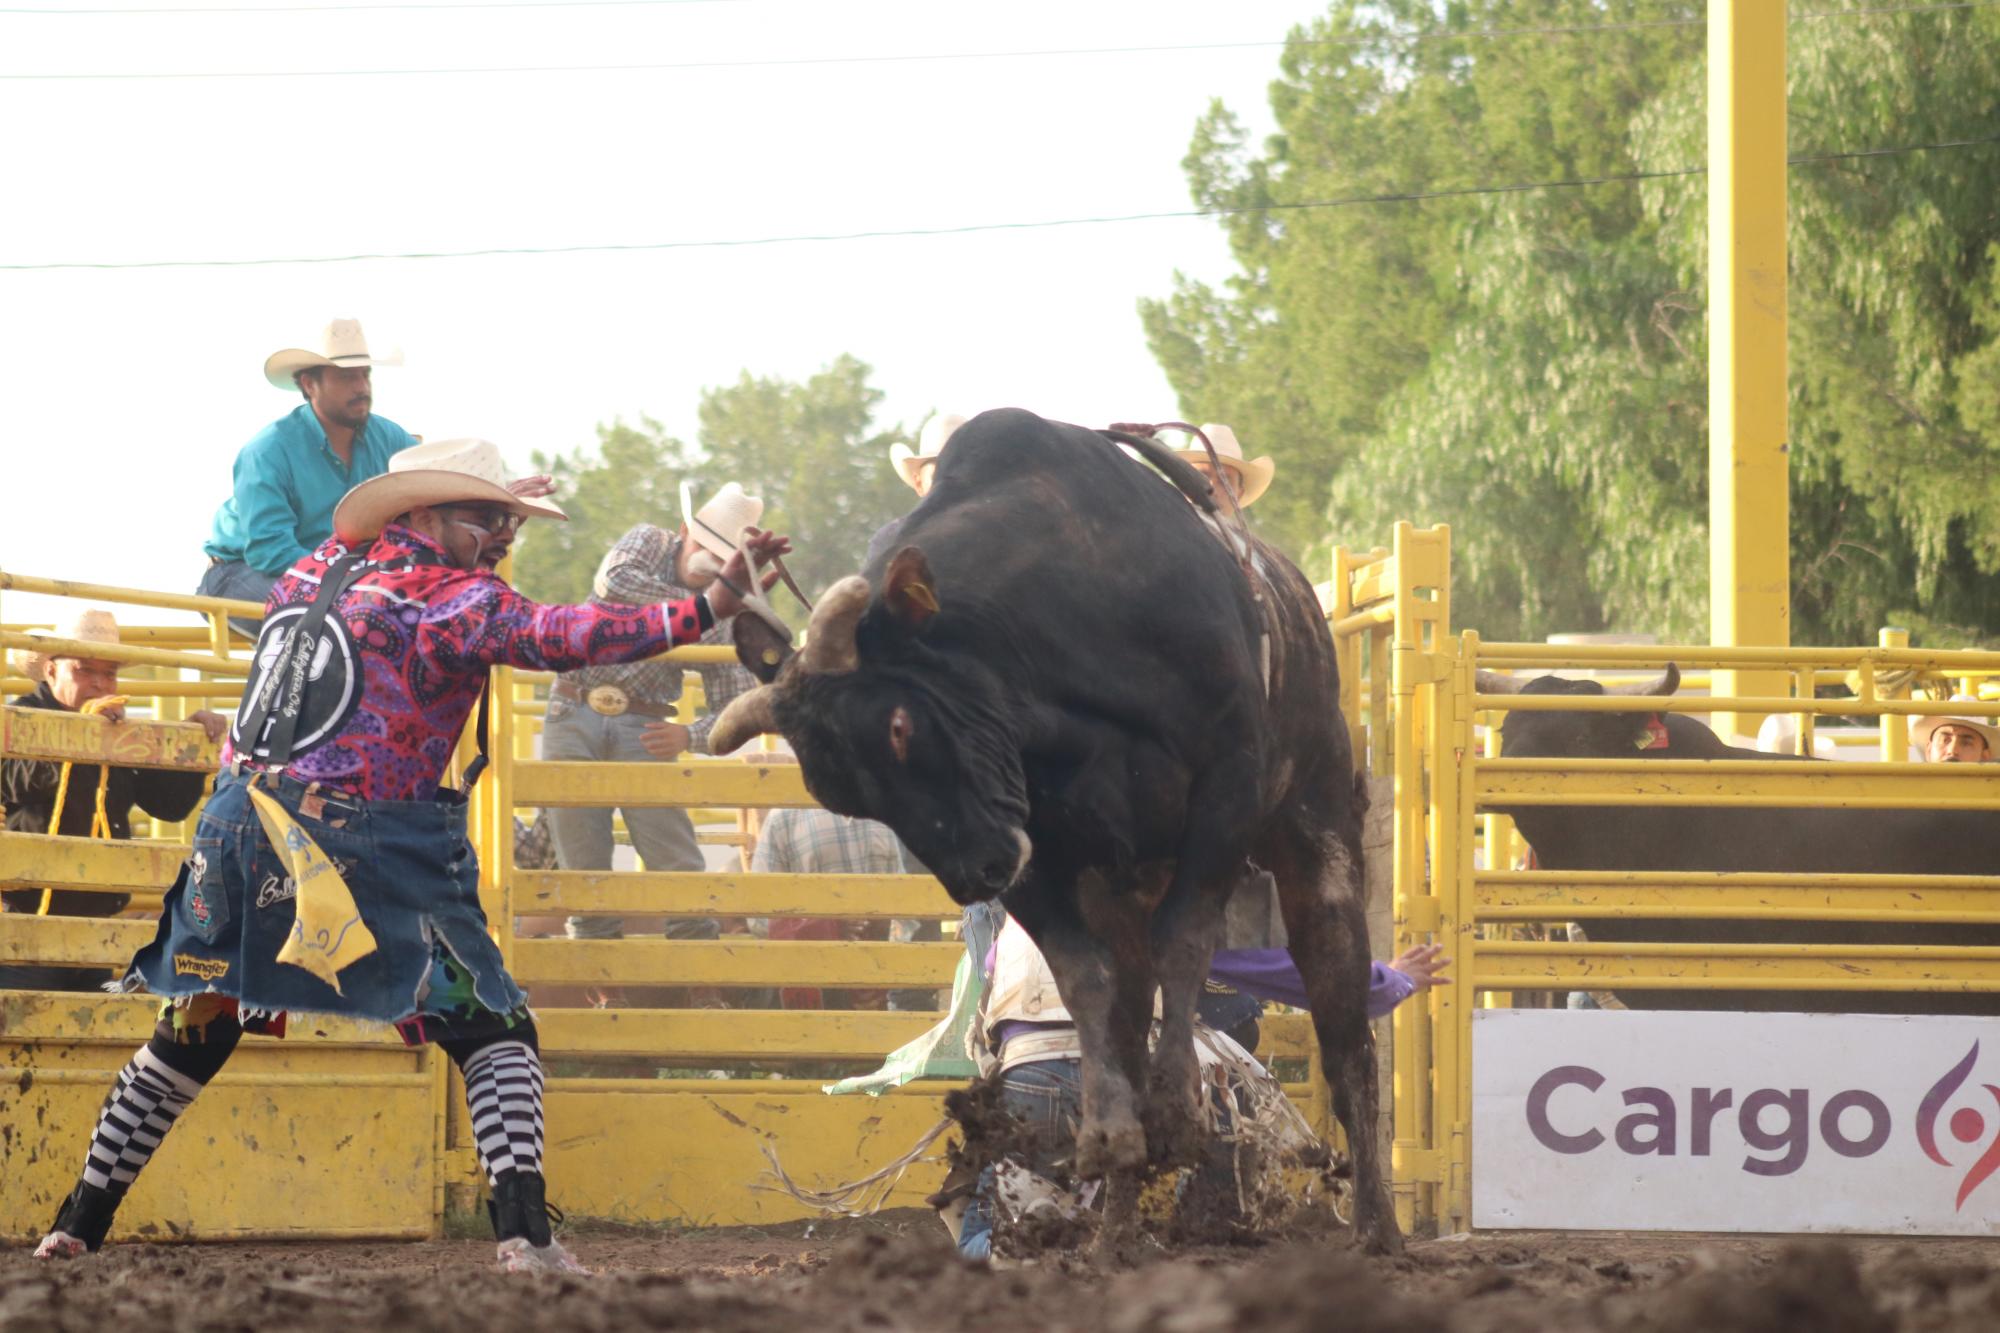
(1107, 988)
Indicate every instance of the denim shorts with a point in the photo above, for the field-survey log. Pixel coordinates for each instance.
(413, 875)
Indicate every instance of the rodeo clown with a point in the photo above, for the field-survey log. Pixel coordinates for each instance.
(330, 873)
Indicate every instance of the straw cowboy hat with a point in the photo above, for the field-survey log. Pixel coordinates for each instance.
(1251, 476)
(88, 626)
(443, 472)
(1920, 734)
(716, 525)
(930, 443)
(340, 344)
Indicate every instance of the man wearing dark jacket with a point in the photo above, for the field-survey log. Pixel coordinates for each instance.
(28, 788)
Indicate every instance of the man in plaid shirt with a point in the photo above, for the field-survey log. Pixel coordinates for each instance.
(625, 713)
(819, 842)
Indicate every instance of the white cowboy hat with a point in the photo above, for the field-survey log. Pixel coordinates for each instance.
(1252, 476)
(930, 443)
(1920, 732)
(716, 525)
(443, 472)
(87, 626)
(340, 343)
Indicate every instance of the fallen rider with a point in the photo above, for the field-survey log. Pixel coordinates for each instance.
(1026, 1037)
(331, 874)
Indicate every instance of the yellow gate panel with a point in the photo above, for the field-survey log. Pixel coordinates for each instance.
(748, 962)
(43, 861)
(679, 1150)
(332, 1132)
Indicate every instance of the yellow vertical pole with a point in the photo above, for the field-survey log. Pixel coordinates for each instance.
(1895, 727)
(1749, 520)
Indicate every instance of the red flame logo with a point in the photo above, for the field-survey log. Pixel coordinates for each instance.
(1967, 1125)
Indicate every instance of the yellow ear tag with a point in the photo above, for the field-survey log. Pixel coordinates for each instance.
(771, 657)
(921, 594)
(327, 931)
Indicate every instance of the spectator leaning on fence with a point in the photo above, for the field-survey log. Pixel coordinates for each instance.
(625, 713)
(30, 789)
(1957, 740)
(330, 872)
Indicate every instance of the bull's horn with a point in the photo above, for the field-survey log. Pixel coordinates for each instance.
(747, 715)
(1492, 682)
(830, 649)
(1665, 683)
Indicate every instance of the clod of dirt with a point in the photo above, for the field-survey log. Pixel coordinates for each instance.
(1301, 1290)
(1816, 1286)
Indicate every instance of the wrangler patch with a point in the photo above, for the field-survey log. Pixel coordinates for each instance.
(208, 969)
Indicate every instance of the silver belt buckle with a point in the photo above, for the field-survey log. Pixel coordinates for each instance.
(608, 700)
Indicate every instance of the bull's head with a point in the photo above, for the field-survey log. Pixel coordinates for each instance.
(889, 725)
(1591, 735)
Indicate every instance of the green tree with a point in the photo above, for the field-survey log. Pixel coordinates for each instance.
(810, 450)
(632, 476)
(1337, 308)
(1554, 409)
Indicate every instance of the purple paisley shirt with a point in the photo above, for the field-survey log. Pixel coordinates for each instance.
(420, 637)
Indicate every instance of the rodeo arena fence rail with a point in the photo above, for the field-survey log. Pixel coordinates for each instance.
(669, 1108)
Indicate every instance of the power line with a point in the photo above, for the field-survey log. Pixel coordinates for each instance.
(359, 8)
(371, 6)
(1415, 196)
(1472, 34)
(653, 66)
(911, 58)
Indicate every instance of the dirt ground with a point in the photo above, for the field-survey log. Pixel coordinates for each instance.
(898, 1272)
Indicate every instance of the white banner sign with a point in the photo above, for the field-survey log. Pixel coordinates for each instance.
(1735, 1122)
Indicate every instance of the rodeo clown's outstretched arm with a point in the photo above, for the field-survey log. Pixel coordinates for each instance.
(328, 815)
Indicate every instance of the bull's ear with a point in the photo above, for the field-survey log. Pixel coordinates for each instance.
(907, 589)
(760, 646)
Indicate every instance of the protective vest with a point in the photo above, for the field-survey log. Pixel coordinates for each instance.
(1023, 989)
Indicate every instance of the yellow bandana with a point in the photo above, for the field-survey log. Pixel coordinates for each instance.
(327, 931)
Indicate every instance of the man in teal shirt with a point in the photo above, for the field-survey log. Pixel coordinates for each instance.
(291, 473)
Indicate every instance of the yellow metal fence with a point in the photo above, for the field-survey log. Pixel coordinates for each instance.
(656, 1113)
(1476, 907)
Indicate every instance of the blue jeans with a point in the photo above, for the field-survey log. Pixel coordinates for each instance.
(415, 881)
(234, 579)
(1047, 1097)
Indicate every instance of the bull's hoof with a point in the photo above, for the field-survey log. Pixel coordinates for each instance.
(1379, 1235)
(1175, 1134)
(1107, 1147)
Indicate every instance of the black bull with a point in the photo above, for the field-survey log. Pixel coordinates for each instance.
(1713, 838)
(1063, 690)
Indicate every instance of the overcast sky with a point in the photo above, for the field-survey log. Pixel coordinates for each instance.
(128, 392)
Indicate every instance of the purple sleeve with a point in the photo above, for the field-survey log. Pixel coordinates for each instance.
(1270, 974)
(483, 622)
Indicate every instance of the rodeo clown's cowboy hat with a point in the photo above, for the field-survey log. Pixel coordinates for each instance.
(1249, 477)
(340, 344)
(930, 443)
(443, 472)
(1922, 729)
(86, 626)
